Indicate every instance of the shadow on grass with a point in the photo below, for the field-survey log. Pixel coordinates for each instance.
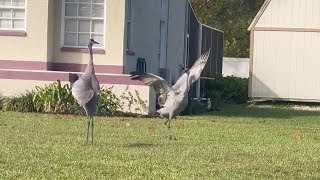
(141, 145)
(281, 111)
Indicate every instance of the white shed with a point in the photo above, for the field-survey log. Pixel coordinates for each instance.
(285, 51)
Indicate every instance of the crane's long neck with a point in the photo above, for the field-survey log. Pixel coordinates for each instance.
(90, 68)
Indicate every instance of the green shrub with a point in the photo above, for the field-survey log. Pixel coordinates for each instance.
(231, 89)
(54, 98)
(138, 103)
(109, 103)
(57, 98)
(1, 102)
(21, 103)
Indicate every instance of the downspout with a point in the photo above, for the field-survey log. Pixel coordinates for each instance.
(167, 34)
(198, 55)
(186, 26)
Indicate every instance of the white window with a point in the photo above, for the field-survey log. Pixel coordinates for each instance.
(83, 19)
(12, 14)
(129, 24)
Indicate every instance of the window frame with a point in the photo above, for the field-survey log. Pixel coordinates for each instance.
(68, 48)
(11, 31)
(129, 16)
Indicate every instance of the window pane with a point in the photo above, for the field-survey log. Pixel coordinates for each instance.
(97, 10)
(84, 10)
(97, 26)
(99, 39)
(18, 24)
(98, 1)
(71, 25)
(6, 13)
(71, 9)
(17, 2)
(5, 2)
(4, 23)
(81, 26)
(84, 39)
(84, 25)
(18, 13)
(70, 39)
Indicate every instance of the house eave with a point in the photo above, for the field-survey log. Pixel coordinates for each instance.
(259, 14)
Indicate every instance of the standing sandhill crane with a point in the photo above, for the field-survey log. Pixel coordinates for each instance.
(86, 90)
(173, 100)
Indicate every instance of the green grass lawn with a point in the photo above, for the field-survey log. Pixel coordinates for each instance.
(238, 142)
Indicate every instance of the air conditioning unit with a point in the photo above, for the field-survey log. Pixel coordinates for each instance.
(141, 65)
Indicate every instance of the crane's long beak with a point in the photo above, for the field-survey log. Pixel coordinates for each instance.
(95, 42)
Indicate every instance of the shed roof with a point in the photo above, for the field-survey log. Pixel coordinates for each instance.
(259, 14)
(288, 15)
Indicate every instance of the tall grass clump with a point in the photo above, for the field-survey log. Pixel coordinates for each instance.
(54, 98)
(58, 98)
(20, 103)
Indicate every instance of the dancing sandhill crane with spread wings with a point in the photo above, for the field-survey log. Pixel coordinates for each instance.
(86, 90)
(173, 100)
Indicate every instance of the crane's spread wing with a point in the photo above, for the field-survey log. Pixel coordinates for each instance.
(198, 66)
(161, 87)
(81, 92)
(181, 84)
(194, 74)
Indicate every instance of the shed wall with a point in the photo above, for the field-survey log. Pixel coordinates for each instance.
(291, 14)
(286, 65)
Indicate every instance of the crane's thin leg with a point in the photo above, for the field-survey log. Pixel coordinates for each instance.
(90, 131)
(170, 133)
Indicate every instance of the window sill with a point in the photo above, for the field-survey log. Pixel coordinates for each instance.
(13, 33)
(130, 53)
(82, 50)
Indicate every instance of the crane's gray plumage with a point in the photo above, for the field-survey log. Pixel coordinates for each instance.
(86, 90)
(173, 100)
